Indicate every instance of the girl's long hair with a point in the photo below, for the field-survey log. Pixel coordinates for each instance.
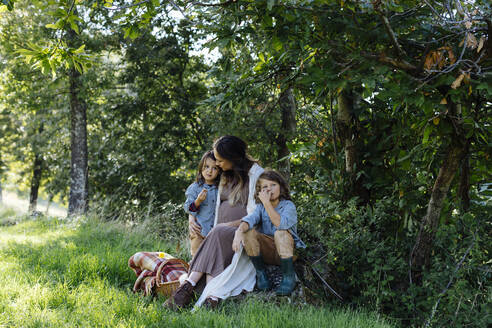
(199, 176)
(234, 149)
(272, 175)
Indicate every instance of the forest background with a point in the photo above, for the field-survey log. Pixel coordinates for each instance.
(377, 111)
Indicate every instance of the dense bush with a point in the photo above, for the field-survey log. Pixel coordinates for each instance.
(365, 255)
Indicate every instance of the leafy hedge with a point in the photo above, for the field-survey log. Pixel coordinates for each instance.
(365, 256)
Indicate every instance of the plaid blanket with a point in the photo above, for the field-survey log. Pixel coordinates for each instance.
(155, 268)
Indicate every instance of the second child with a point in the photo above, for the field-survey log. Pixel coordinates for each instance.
(201, 197)
(269, 234)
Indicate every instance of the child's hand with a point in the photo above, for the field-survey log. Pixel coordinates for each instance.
(201, 197)
(264, 196)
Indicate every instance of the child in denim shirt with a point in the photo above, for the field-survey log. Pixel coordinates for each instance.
(269, 234)
(201, 197)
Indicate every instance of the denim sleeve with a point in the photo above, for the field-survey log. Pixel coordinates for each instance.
(191, 195)
(253, 218)
(288, 216)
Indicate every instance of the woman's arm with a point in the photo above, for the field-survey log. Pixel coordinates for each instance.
(232, 223)
(193, 225)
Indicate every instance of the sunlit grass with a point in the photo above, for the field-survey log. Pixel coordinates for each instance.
(60, 273)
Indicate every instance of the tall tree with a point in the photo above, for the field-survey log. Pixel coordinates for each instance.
(287, 104)
(79, 169)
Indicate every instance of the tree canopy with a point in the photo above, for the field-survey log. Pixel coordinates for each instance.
(377, 111)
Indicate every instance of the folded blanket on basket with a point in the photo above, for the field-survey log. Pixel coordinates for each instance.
(155, 268)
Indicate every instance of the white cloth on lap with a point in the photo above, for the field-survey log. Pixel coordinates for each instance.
(238, 276)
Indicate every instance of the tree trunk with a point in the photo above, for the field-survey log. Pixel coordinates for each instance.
(79, 193)
(288, 129)
(420, 257)
(50, 200)
(464, 187)
(345, 129)
(1, 174)
(35, 182)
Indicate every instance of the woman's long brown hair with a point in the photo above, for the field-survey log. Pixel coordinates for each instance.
(234, 149)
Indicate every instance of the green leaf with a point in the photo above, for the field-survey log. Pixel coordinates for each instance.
(427, 132)
(127, 32)
(277, 44)
(267, 21)
(45, 66)
(74, 26)
(60, 23)
(79, 50)
(270, 4)
(134, 34)
(59, 13)
(258, 67)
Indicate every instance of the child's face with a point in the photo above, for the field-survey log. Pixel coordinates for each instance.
(210, 171)
(272, 187)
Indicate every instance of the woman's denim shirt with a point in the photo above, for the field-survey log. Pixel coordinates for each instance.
(206, 212)
(288, 220)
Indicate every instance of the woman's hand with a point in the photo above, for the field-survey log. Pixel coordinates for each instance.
(238, 239)
(193, 225)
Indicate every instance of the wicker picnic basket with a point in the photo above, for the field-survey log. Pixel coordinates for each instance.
(168, 288)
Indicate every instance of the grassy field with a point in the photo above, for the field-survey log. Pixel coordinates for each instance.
(60, 273)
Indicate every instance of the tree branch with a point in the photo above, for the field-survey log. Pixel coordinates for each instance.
(400, 64)
(392, 35)
(218, 4)
(128, 6)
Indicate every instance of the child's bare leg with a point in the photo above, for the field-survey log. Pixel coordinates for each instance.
(284, 243)
(251, 243)
(195, 242)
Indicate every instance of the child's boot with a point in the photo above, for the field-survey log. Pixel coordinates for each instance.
(288, 282)
(262, 281)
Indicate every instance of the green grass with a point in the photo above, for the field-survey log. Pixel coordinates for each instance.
(59, 273)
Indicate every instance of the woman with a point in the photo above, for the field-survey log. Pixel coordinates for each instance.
(236, 200)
